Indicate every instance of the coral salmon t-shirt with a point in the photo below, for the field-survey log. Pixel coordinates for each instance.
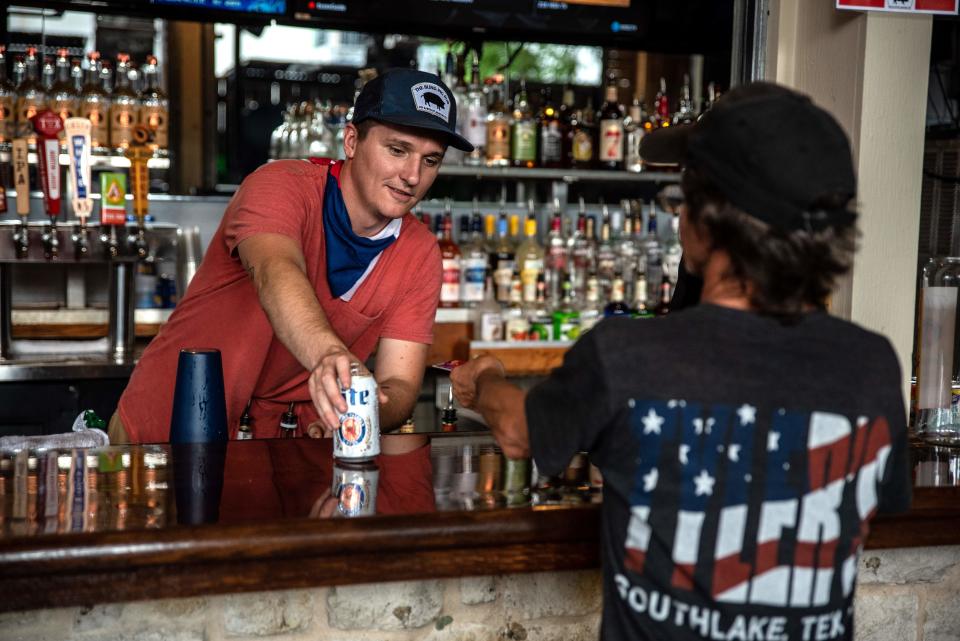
(397, 299)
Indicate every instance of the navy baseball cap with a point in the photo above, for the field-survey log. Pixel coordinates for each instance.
(411, 98)
(770, 150)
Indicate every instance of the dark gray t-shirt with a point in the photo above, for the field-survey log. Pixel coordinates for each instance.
(742, 459)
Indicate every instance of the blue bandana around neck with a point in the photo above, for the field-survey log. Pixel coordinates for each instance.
(348, 255)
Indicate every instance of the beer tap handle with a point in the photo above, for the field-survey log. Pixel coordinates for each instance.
(113, 209)
(78, 149)
(139, 154)
(48, 126)
(21, 182)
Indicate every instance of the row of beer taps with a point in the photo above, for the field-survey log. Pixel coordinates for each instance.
(48, 129)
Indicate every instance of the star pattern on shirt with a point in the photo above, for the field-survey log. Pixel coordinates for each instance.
(652, 422)
(650, 480)
(747, 414)
(704, 483)
(701, 426)
(733, 452)
(684, 450)
(773, 441)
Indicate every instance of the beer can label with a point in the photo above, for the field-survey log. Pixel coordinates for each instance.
(355, 489)
(358, 436)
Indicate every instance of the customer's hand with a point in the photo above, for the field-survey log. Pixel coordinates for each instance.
(464, 378)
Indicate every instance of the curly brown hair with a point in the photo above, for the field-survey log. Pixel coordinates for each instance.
(788, 270)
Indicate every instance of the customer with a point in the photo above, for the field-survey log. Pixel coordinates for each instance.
(315, 265)
(745, 442)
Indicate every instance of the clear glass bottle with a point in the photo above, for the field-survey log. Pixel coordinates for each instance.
(523, 137)
(154, 113)
(487, 317)
(516, 327)
(502, 260)
(530, 258)
(451, 78)
(498, 129)
(591, 312)
(123, 106)
(672, 251)
(475, 117)
(616, 306)
(31, 96)
(633, 134)
(473, 263)
(685, 112)
(95, 104)
(64, 100)
(556, 257)
(607, 259)
(653, 252)
(611, 129)
(450, 255)
(566, 318)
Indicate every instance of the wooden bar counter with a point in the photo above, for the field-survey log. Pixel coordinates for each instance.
(149, 522)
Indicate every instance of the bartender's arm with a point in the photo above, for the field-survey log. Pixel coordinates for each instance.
(277, 268)
(480, 384)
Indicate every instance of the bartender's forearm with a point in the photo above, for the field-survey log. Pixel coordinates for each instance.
(402, 397)
(290, 302)
(502, 405)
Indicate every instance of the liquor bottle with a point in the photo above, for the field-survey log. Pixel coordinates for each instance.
(8, 105)
(490, 232)
(672, 252)
(502, 260)
(616, 306)
(95, 104)
(611, 129)
(516, 327)
(633, 133)
(551, 133)
(154, 107)
(473, 264)
(661, 107)
(450, 255)
(463, 236)
(49, 74)
(487, 317)
(580, 136)
(713, 93)
(641, 296)
(31, 97)
(555, 262)
(685, 114)
(627, 251)
(123, 106)
(523, 138)
(530, 258)
(539, 315)
(592, 310)
(607, 259)
(515, 239)
(653, 253)
(475, 120)
(577, 261)
(663, 298)
(454, 156)
(566, 114)
(64, 100)
(76, 76)
(566, 318)
(498, 129)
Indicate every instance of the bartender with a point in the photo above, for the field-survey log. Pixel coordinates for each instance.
(316, 264)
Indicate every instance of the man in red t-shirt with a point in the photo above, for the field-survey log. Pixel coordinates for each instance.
(314, 265)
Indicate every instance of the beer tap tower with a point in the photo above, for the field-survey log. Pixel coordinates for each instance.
(41, 244)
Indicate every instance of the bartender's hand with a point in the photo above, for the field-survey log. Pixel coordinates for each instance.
(331, 374)
(464, 378)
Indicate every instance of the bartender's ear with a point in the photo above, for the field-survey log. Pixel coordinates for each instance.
(350, 139)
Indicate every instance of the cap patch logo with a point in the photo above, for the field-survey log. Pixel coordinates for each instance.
(432, 99)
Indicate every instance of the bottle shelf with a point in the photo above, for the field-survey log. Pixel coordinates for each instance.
(113, 161)
(565, 175)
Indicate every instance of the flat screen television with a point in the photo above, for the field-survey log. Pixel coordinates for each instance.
(666, 26)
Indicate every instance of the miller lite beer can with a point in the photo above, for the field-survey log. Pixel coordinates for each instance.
(355, 488)
(358, 437)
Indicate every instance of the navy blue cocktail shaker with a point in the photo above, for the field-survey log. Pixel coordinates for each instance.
(199, 407)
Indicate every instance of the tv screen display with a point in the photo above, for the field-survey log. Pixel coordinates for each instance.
(267, 7)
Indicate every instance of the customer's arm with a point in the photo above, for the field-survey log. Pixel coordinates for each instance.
(480, 385)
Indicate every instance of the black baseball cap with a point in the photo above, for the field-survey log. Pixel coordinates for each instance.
(411, 98)
(770, 151)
